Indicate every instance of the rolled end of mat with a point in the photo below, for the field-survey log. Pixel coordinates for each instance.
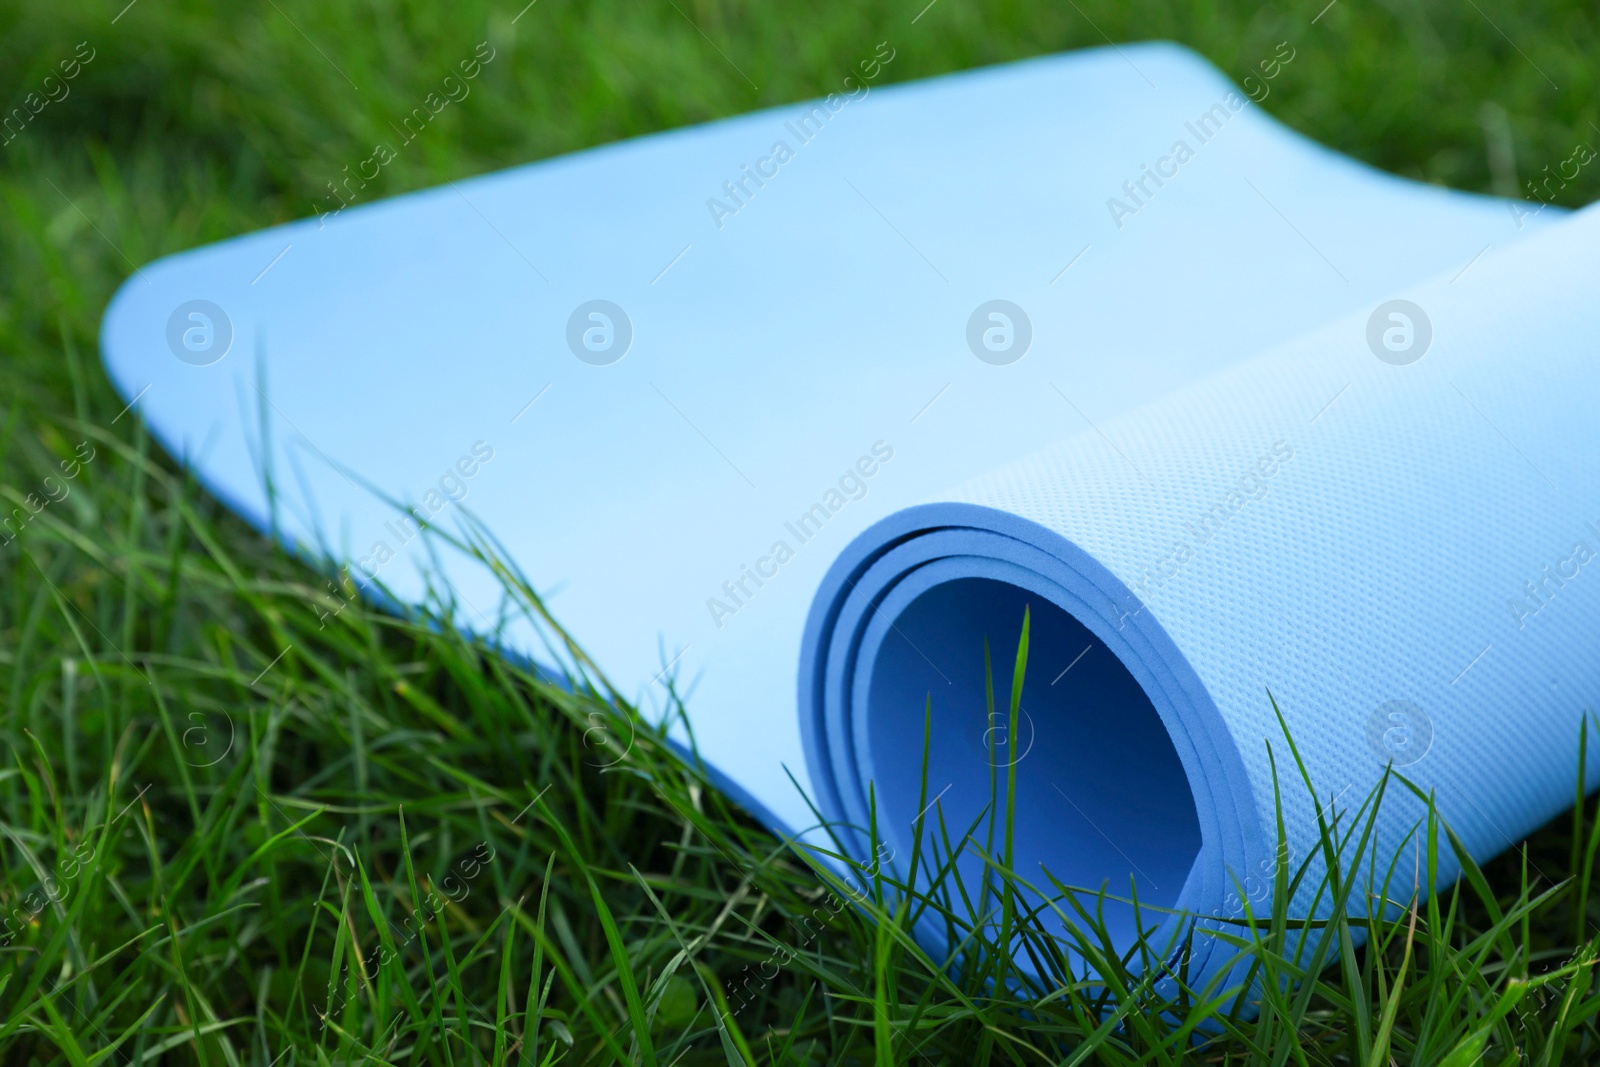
(1123, 776)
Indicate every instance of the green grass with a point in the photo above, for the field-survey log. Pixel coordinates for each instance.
(248, 820)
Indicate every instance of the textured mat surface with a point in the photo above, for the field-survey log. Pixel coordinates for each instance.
(711, 390)
(1396, 550)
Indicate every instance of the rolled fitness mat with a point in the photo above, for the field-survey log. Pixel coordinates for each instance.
(1385, 524)
(709, 390)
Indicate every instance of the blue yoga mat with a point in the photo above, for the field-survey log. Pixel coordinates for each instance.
(787, 414)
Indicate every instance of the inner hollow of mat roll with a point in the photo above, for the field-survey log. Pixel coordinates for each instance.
(1101, 798)
(1123, 764)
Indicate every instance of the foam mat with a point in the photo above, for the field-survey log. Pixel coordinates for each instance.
(784, 415)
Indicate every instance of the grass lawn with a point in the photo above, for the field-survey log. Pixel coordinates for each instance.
(244, 819)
